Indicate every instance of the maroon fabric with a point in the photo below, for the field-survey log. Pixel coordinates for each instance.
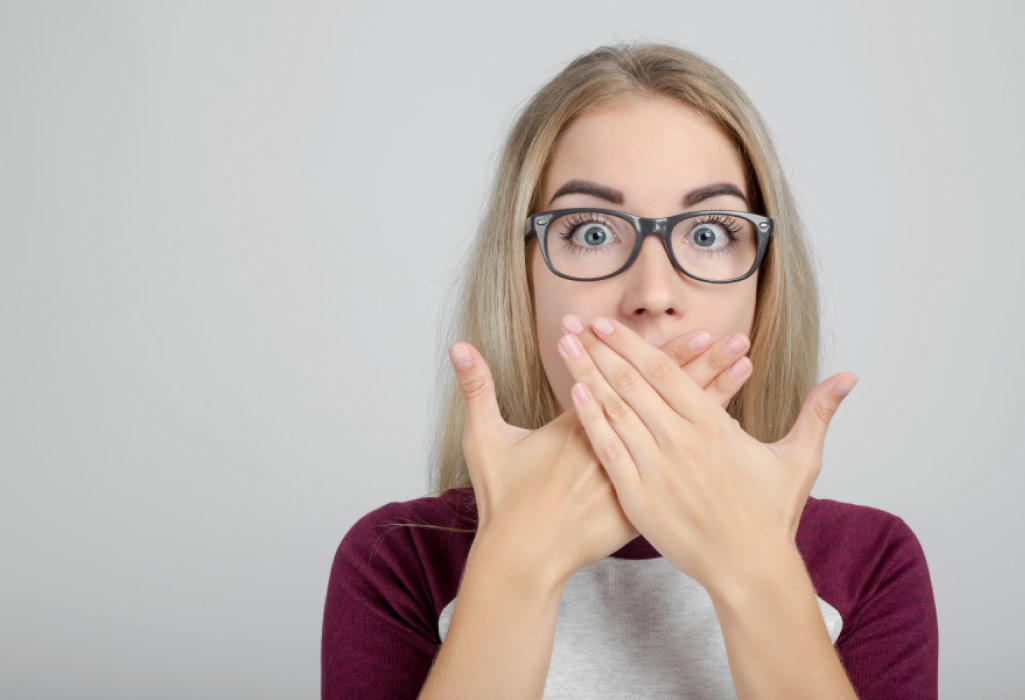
(388, 585)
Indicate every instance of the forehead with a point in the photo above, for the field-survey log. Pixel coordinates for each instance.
(650, 148)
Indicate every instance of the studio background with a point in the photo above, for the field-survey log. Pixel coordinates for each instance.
(228, 233)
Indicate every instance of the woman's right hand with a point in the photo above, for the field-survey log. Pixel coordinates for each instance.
(543, 493)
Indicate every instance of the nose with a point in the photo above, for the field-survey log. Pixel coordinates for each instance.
(652, 284)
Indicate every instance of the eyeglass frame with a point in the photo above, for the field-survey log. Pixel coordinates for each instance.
(644, 227)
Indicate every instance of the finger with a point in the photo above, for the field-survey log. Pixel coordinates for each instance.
(689, 352)
(635, 433)
(808, 433)
(687, 347)
(607, 444)
(725, 386)
(714, 361)
(483, 417)
(676, 388)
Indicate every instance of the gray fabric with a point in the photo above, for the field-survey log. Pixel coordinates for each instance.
(632, 628)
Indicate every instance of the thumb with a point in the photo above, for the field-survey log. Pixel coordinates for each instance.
(478, 388)
(809, 430)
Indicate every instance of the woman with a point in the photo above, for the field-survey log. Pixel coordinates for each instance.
(618, 464)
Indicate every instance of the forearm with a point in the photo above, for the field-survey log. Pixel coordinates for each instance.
(776, 640)
(499, 641)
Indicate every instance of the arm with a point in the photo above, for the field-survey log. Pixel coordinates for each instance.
(499, 642)
(776, 641)
(379, 632)
(889, 644)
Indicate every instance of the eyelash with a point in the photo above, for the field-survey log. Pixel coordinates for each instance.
(577, 219)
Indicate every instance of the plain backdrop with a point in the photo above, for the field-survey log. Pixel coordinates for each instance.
(228, 232)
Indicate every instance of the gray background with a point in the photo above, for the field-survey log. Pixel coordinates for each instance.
(227, 232)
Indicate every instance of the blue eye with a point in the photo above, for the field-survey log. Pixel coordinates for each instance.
(596, 238)
(712, 228)
(705, 236)
(593, 235)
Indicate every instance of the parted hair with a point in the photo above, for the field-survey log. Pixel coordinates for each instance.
(494, 305)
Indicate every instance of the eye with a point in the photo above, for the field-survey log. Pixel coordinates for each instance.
(709, 236)
(588, 232)
(593, 234)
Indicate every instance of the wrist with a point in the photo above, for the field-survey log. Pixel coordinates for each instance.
(505, 554)
(773, 567)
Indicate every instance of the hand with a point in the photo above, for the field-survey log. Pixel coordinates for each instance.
(709, 497)
(705, 363)
(547, 485)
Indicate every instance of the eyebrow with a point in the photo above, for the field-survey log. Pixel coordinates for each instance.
(616, 197)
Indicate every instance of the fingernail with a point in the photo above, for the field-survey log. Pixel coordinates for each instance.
(571, 346)
(603, 325)
(843, 388)
(572, 324)
(736, 344)
(700, 341)
(461, 357)
(740, 368)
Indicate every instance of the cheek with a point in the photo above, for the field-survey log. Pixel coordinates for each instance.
(741, 309)
(748, 302)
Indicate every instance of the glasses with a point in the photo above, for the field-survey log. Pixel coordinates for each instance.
(715, 246)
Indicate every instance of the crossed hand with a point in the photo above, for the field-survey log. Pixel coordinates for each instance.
(648, 448)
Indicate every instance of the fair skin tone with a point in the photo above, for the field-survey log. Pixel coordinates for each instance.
(716, 503)
(653, 152)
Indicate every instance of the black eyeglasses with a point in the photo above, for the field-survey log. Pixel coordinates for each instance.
(586, 244)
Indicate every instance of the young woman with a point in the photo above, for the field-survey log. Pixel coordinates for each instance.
(632, 488)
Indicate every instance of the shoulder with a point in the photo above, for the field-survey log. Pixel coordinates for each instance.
(394, 523)
(394, 570)
(850, 530)
(870, 565)
(421, 544)
(827, 523)
(853, 550)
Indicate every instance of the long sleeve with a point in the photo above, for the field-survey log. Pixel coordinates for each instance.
(379, 634)
(890, 647)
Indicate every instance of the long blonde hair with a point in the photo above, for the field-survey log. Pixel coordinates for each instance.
(495, 301)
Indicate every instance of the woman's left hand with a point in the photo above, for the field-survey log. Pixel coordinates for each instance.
(714, 501)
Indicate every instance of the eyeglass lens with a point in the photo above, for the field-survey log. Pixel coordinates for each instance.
(712, 246)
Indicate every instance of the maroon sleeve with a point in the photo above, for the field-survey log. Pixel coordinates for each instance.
(890, 648)
(380, 635)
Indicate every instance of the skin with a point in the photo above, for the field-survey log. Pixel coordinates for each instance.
(719, 505)
(653, 150)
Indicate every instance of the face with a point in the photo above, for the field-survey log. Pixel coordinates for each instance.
(654, 151)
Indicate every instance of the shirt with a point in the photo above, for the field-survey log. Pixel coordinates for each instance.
(630, 625)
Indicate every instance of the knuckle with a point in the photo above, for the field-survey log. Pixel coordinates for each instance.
(473, 387)
(610, 452)
(824, 411)
(711, 426)
(661, 369)
(720, 360)
(626, 377)
(617, 410)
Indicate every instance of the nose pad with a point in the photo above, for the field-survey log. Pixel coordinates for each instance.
(661, 255)
(654, 229)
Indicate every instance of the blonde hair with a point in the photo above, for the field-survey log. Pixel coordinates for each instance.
(495, 303)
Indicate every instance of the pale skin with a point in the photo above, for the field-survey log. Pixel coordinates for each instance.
(657, 454)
